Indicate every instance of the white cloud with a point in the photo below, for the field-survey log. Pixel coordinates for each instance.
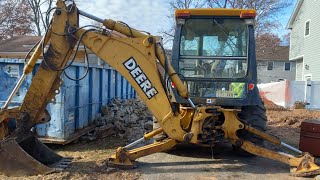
(146, 15)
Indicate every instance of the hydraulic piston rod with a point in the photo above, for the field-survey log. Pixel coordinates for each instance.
(90, 16)
(144, 138)
(14, 91)
(27, 69)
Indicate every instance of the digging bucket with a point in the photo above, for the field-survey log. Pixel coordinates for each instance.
(29, 157)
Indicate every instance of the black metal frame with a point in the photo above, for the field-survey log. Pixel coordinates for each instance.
(252, 96)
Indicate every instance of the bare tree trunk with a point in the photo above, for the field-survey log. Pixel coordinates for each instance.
(225, 4)
(38, 17)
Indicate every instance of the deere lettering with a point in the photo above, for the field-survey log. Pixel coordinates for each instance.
(140, 77)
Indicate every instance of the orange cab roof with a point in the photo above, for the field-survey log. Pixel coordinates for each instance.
(214, 12)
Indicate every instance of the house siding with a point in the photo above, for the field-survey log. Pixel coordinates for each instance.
(297, 35)
(278, 72)
(307, 46)
(299, 66)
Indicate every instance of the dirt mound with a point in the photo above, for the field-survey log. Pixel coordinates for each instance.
(299, 105)
(270, 105)
(291, 118)
(286, 124)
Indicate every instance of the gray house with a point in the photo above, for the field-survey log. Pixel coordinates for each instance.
(273, 65)
(305, 39)
(18, 46)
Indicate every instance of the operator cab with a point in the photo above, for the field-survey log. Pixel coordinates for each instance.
(214, 52)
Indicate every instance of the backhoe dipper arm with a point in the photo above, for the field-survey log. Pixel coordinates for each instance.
(46, 82)
(21, 153)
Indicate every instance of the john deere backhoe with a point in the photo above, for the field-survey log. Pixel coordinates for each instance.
(208, 93)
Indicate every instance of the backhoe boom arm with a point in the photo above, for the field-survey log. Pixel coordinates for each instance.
(136, 62)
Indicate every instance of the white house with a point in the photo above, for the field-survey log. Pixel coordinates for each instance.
(305, 39)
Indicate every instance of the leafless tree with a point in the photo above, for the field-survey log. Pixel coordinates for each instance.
(267, 40)
(14, 18)
(268, 12)
(39, 10)
(179, 4)
(186, 4)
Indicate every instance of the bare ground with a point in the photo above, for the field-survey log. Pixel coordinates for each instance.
(88, 162)
(184, 163)
(286, 124)
(198, 164)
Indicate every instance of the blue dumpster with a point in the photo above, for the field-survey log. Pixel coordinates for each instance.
(78, 102)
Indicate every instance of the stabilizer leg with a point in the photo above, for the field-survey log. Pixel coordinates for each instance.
(302, 165)
(124, 158)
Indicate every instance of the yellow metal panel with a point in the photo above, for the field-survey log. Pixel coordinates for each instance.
(137, 63)
(47, 81)
(214, 12)
(3, 131)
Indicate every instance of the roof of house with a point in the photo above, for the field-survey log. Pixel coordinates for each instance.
(278, 53)
(294, 14)
(18, 43)
(24, 44)
(18, 46)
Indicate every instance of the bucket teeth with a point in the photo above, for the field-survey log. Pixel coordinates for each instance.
(63, 164)
(29, 157)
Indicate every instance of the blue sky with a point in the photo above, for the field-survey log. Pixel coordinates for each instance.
(285, 18)
(148, 15)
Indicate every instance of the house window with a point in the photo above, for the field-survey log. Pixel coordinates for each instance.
(270, 66)
(287, 66)
(307, 30)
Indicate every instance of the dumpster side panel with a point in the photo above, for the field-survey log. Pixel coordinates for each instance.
(78, 102)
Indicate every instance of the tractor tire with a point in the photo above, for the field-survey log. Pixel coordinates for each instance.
(256, 117)
(160, 136)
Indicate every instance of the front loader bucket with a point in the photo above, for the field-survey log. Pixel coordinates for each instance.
(29, 157)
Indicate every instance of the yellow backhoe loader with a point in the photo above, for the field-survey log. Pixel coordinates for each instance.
(208, 94)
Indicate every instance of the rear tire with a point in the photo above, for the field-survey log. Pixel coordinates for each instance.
(256, 117)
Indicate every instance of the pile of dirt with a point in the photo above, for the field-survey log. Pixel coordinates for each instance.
(286, 124)
(299, 105)
(292, 118)
(271, 105)
(129, 119)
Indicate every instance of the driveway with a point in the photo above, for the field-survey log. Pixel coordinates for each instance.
(197, 163)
